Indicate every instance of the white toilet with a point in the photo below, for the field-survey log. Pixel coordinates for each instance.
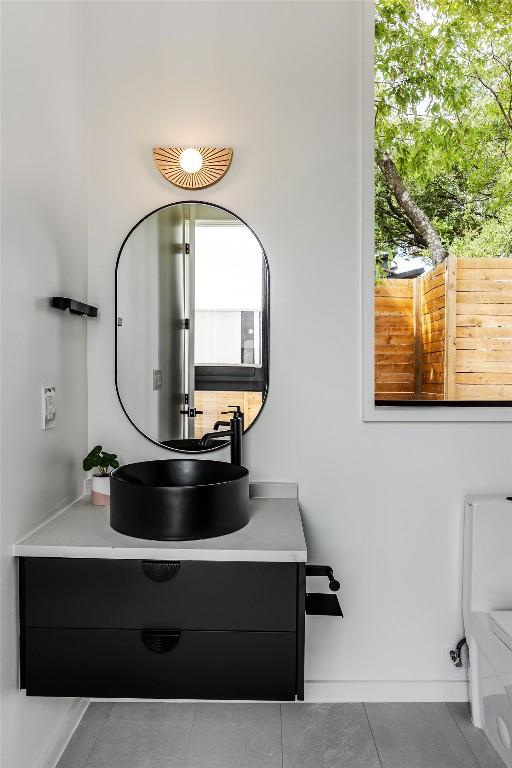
(487, 610)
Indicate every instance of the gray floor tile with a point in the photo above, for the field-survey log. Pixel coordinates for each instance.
(144, 735)
(418, 736)
(84, 738)
(327, 736)
(481, 747)
(235, 736)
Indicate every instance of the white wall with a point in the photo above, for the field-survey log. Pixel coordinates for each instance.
(382, 502)
(280, 82)
(44, 250)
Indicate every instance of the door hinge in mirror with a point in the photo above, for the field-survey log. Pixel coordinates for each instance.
(191, 412)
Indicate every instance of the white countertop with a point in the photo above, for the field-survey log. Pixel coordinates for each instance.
(274, 534)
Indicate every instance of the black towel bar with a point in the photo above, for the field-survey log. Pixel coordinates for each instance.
(75, 307)
(318, 604)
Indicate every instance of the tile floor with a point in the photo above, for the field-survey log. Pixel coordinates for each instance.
(218, 735)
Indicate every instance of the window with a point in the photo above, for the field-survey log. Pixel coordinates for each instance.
(438, 266)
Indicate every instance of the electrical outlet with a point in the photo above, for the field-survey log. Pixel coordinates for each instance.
(48, 407)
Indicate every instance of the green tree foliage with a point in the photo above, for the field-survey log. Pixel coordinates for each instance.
(443, 114)
(493, 239)
(447, 201)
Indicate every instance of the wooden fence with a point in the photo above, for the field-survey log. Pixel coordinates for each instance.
(214, 404)
(446, 335)
(394, 340)
(430, 306)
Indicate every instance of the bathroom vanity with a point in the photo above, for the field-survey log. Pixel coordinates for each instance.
(108, 615)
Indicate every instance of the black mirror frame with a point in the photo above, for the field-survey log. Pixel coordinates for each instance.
(265, 326)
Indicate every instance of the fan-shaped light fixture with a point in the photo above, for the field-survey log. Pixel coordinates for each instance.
(192, 167)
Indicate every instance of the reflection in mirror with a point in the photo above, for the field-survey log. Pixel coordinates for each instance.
(192, 323)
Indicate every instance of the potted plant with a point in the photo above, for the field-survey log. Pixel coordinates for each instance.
(100, 459)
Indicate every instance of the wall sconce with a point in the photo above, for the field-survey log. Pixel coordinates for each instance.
(192, 167)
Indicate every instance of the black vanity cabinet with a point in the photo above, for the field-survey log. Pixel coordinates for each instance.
(163, 630)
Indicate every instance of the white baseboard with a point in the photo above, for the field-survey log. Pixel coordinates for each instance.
(385, 690)
(66, 729)
(332, 691)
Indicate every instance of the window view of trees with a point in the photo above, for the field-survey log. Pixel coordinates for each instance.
(443, 183)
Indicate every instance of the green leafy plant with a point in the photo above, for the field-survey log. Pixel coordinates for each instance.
(383, 262)
(98, 458)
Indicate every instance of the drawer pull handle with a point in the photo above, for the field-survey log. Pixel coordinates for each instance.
(158, 641)
(159, 571)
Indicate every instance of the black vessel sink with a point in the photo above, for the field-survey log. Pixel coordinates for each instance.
(179, 500)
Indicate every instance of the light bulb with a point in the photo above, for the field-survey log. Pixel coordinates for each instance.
(191, 160)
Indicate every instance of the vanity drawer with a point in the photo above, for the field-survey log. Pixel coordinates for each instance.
(113, 663)
(94, 593)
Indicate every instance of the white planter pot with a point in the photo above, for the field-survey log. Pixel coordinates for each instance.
(100, 494)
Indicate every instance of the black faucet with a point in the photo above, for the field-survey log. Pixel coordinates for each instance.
(235, 431)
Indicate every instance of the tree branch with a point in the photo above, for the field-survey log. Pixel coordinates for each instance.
(403, 219)
(414, 213)
(506, 115)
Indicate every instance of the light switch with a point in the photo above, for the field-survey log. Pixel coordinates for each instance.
(157, 379)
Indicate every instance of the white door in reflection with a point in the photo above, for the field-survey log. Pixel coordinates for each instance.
(228, 295)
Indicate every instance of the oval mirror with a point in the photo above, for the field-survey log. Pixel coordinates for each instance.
(192, 318)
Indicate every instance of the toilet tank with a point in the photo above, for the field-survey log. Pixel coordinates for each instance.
(487, 574)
